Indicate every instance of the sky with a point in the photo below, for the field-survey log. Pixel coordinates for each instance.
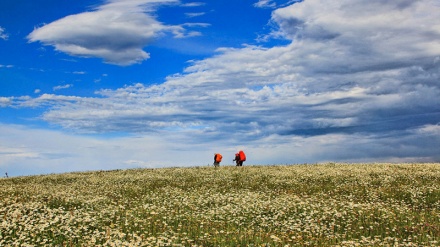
(120, 84)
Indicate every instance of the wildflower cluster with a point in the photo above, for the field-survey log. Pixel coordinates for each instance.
(297, 205)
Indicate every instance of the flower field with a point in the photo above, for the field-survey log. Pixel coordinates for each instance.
(297, 205)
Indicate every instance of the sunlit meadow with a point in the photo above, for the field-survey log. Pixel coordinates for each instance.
(297, 205)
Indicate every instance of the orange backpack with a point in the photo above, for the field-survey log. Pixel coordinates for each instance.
(218, 158)
(242, 156)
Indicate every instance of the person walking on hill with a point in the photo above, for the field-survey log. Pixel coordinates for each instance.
(217, 159)
(237, 159)
(240, 157)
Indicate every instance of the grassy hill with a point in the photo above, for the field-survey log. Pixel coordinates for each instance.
(297, 205)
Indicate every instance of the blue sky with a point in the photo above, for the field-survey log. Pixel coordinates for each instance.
(116, 84)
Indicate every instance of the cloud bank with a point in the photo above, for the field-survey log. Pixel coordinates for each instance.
(342, 72)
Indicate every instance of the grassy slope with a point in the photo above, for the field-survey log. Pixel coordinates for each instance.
(298, 205)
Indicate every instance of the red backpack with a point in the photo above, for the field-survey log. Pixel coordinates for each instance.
(242, 156)
(218, 158)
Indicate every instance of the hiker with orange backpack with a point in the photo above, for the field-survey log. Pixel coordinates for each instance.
(217, 159)
(240, 157)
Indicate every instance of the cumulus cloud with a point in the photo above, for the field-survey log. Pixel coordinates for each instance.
(350, 37)
(359, 80)
(117, 32)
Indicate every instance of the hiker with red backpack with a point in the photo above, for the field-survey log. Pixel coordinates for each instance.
(240, 157)
(217, 159)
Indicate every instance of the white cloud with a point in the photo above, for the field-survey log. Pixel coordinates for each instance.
(37, 151)
(192, 15)
(56, 88)
(364, 27)
(116, 32)
(193, 4)
(5, 101)
(265, 4)
(430, 129)
(3, 34)
(48, 151)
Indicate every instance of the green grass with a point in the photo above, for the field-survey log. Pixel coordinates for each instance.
(297, 205)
